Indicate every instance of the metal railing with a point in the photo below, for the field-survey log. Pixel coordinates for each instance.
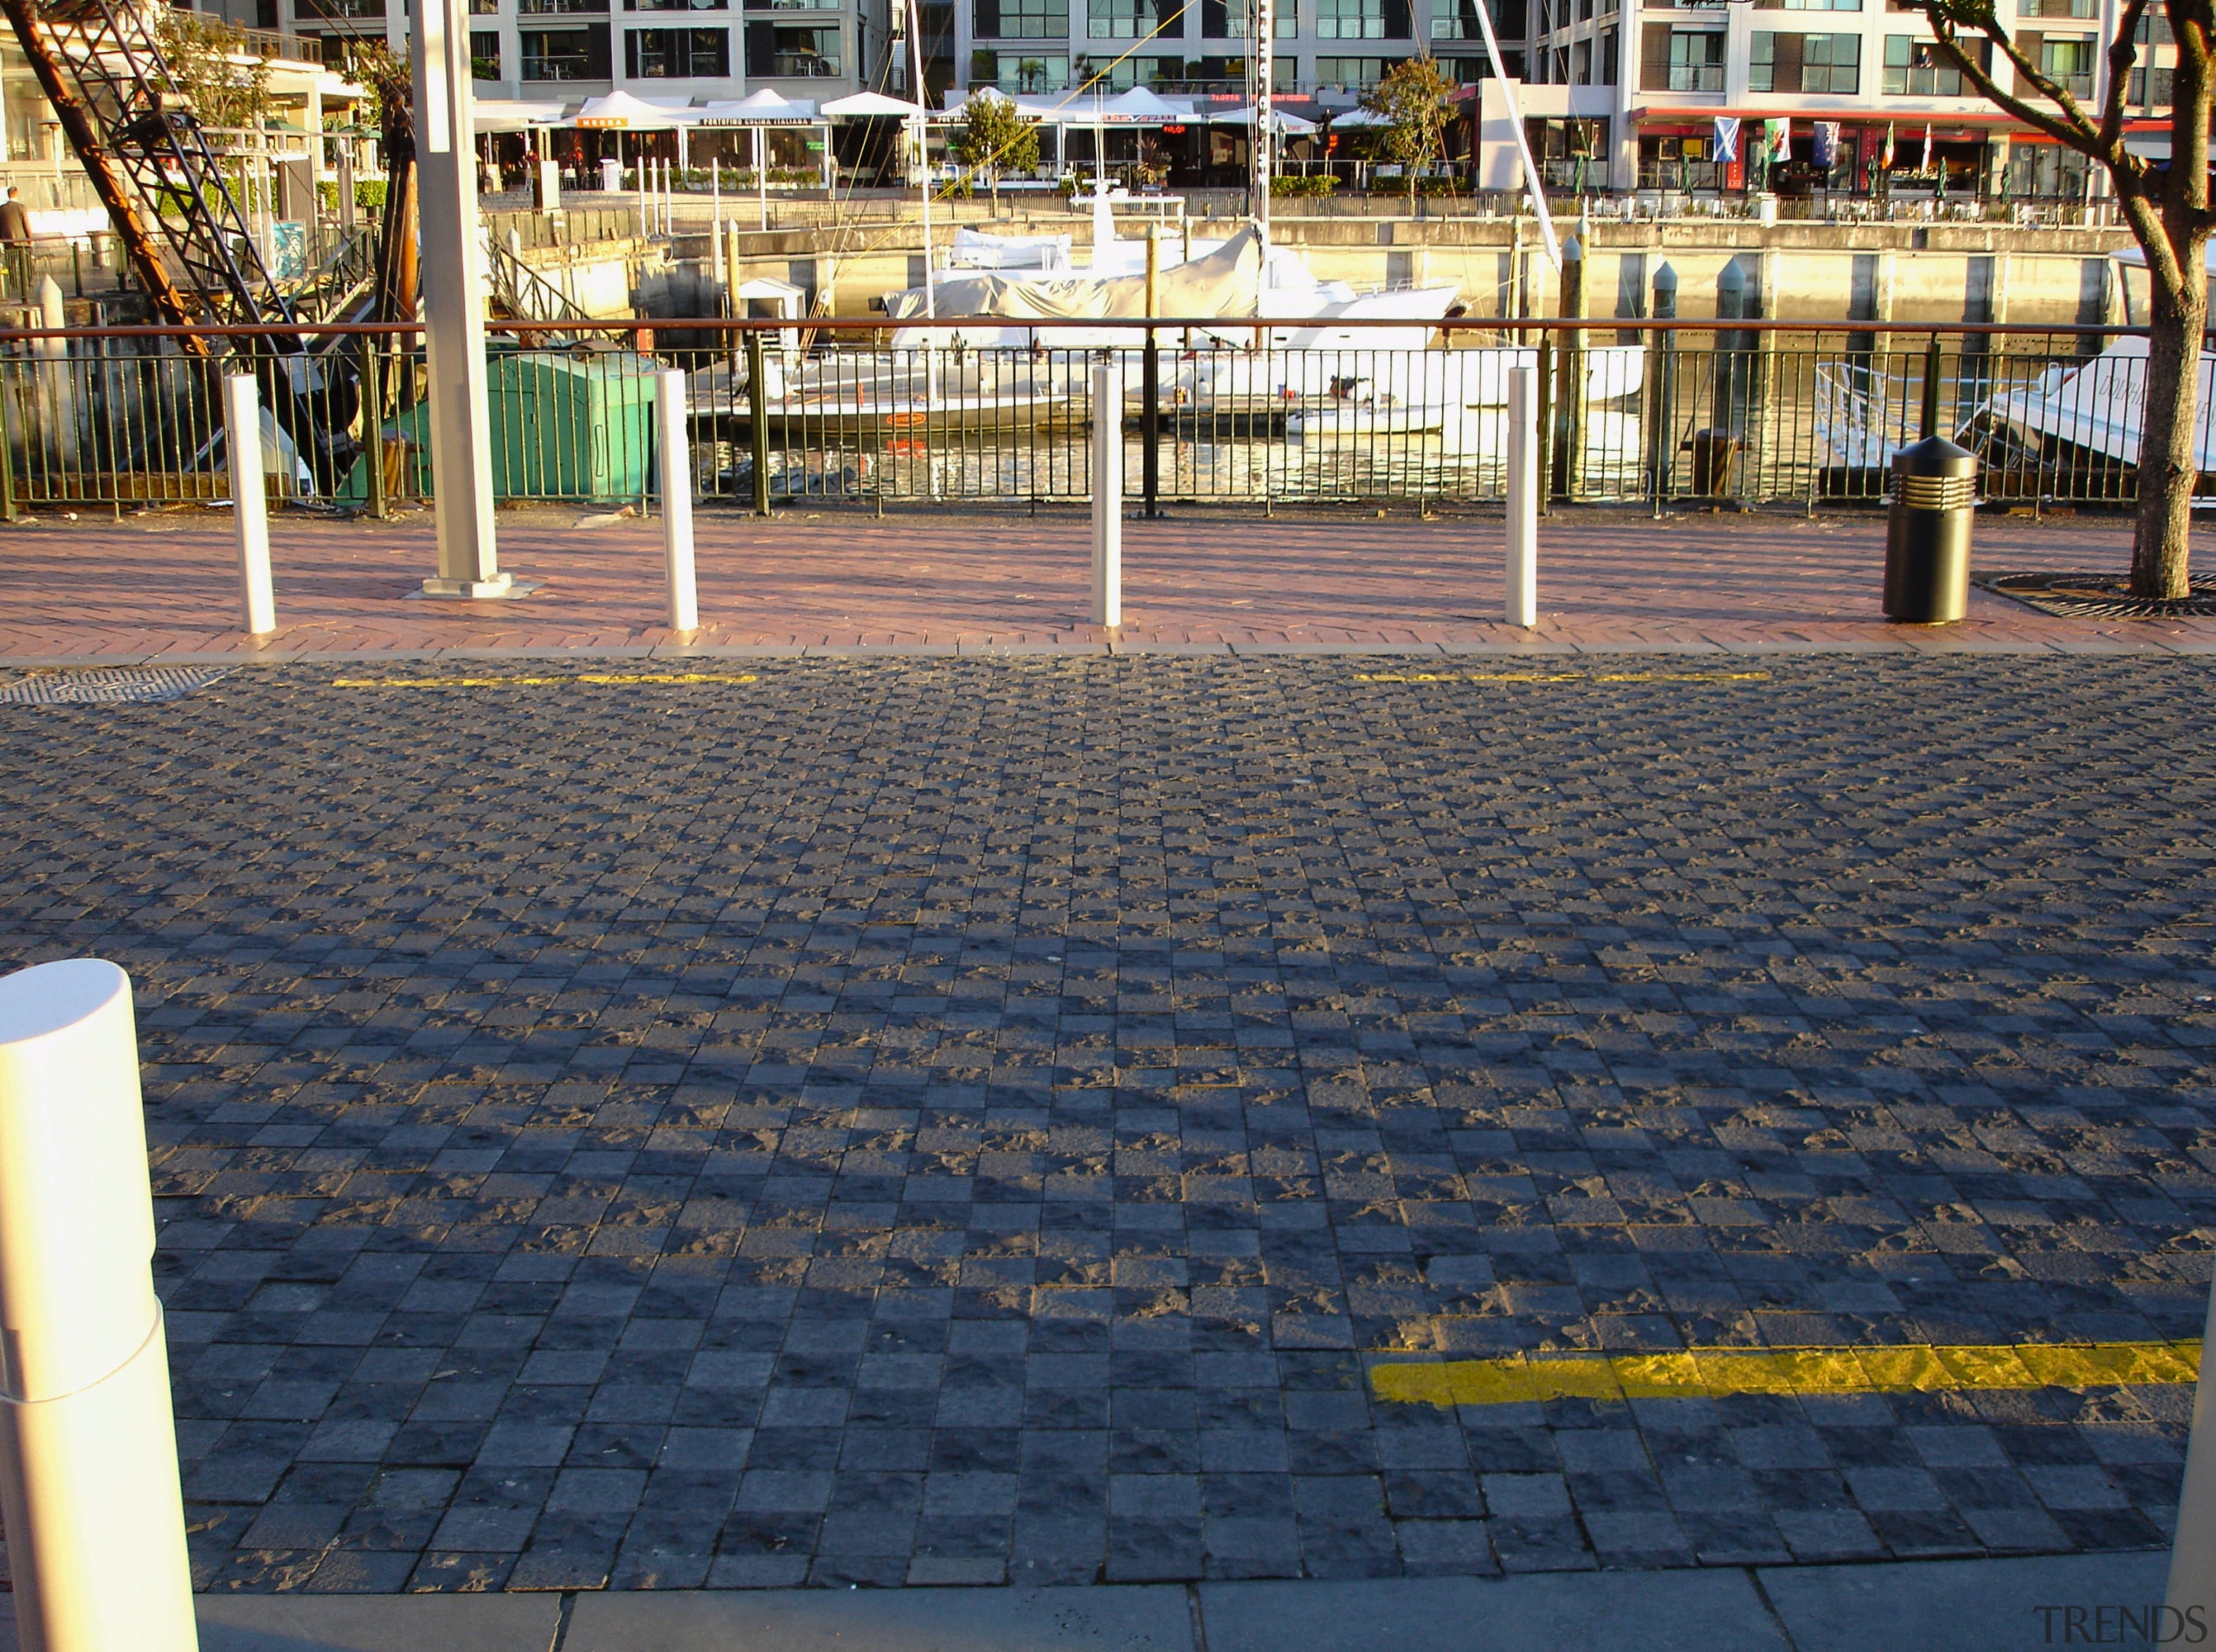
(1634, 412)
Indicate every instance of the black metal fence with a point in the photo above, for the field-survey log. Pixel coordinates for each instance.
(1754, 414)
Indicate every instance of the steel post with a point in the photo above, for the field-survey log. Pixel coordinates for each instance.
(1932, 370)
(453, 307)
(373, 382)
(757, 421)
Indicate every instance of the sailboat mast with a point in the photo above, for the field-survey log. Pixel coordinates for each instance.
(1263, 67)
(923, 150)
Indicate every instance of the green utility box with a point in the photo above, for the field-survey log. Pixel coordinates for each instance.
(566, 425)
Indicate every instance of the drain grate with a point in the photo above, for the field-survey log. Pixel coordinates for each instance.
(138, 686)
(2097, 596)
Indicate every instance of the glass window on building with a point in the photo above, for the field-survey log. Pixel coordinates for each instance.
(1783, 62)
(1351, 74)
(676, 5)
(1014, 72)
(1917, 68)
(2067, 59)
(1580, 63)
(1122, 74)
(1022, 20)
(550, 8)
(1678, 163)
(1350, 19)
(1457, 20)
(564, 54)
(484, 54)
(1696, 60)
(2148, 96)
(1570, 151)
(774, 51)
(1807, 5)
(677, 53)
(1132, 19)
(1228, 20)
(2085, 9)
(1831, 63)
(1611, 66)
(2155, 29)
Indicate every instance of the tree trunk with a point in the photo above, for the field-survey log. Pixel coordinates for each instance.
(2168, 461)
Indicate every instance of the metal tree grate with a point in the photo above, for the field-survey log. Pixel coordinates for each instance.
(145, 685)
(2097, 596)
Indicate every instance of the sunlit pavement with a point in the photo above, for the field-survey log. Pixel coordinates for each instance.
(165, 586)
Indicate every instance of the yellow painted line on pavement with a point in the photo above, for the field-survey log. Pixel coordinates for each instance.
(1561, 677)
(598, 678)
(1903, 1368)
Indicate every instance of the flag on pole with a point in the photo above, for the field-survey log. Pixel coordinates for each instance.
(1827, 156)
(1777, 141)
(1886, 160)
(1927, 146)
(1727, 139)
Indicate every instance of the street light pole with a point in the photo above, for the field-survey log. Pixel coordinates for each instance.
(453, 308)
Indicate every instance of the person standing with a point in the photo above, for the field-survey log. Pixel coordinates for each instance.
(16, 242)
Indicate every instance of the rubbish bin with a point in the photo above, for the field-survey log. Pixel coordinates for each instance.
(1928, 538)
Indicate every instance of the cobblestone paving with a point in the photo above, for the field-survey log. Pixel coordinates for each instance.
(949, 1121)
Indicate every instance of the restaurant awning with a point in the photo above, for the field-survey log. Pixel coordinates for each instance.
(620, 112)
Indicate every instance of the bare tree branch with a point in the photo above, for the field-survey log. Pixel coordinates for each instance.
(2069, 127)
(2123, 52)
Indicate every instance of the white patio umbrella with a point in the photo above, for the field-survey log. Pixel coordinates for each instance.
(1283, 125)
(862, 106)
(764, 105)
(1140, 105)
(621, 112)
(510, 114)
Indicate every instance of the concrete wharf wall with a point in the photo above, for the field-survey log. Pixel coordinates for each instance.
(1803, 270)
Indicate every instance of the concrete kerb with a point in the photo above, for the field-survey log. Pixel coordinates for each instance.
(1934, 1605)
(2104, 647)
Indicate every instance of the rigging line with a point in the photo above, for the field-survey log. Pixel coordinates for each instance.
(845, 248)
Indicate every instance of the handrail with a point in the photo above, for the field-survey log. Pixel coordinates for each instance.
(1135, 325)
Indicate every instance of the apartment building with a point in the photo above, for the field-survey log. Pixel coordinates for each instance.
(1630, 95)
(1335, 49)
(572, 50)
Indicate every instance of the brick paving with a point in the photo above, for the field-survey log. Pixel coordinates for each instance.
(930, 1120)
(162, 586)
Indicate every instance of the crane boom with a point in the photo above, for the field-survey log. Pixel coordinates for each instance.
(101, 65)
(132, 122)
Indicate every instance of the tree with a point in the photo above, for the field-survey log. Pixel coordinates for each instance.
(995, 136)
(1417, 103)
(224, 77)
(2166, 206)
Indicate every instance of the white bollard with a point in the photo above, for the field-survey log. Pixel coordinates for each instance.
(89, 1474)
(676, 444)
(58, 376)
(249, 503)
(2191, 1597)
(1522, 605)
(1108, 494)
